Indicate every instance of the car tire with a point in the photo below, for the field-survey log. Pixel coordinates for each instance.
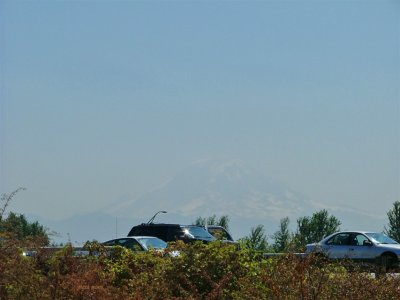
(321, 258)
(387, 261)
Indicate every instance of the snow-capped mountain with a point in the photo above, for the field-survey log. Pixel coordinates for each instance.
(218, 187)
(205, 188)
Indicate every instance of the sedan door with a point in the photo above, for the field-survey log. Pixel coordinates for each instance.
(338, 246)
(361, 248)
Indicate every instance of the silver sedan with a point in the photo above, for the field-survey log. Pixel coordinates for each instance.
(142, 243)
(364, 246)
(138, 243)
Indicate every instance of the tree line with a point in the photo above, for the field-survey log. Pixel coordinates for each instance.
(309, 228)
(17, 226)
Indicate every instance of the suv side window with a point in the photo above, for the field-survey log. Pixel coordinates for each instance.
(174, 233)
(165, 232)
(160, 231)
(219, 233)
(140, 230)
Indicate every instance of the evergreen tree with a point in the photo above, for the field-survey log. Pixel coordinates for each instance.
(224, 222)
(257, 240)
(19, 227)
(393, 229)
(212, 220)
(282, 237)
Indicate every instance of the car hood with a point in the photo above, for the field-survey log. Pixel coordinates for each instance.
(389, 246)
(312, 247)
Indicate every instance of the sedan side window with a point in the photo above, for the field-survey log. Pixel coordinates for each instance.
(360, 240)
(339, 239)
(110, 243)
(130, 244)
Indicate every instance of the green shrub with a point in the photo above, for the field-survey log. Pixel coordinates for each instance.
(202, 271)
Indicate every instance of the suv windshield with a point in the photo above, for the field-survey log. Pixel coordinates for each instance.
(380, 238)
(197, 232)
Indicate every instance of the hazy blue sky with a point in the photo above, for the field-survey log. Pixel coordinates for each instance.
(102, 99)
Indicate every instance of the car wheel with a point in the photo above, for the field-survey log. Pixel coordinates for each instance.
(387, 261)
(321, 258)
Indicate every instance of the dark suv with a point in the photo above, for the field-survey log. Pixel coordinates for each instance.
(172, 232)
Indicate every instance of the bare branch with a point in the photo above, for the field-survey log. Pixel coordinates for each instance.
(6, 199)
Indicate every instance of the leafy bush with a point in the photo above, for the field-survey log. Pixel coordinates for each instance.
(202, 271)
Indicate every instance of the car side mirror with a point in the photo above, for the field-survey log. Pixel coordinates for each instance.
(367, 243)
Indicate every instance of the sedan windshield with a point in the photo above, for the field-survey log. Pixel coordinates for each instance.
(380, 238)
(152, 243)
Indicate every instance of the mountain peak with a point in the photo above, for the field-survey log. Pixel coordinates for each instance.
(226, 187)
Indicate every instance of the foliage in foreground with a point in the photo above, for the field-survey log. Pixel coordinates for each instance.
(216, 271)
